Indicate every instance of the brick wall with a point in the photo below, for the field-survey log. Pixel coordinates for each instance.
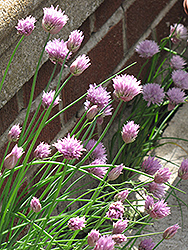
(111, 34)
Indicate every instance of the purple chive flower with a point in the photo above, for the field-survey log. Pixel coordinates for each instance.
(48, 97)
(104, 243)
(53, 20)
(147, 48)
(156, 210)
(115, 172)
(153, 93)
(177, 62)
(162, 175)
(75, 39)
(77, 223)
(175, 97)
(116, 210)
(158, 190)
(26, 26)
(69, 147)
(119, 226)
(100, 97)
(98, 153)
(146, 244)
(42, 150)
(170, 232)
(79, 65)
(91, 113)
(93, 237)
(98, 171)
(126, 87)
(119, 238)
(35, 205)
(14, 133)
(12, 158)
(129, 132)
(183, 170)
(180, 78)
(57, 51)
(151, 165)
(121, 196)
(178, 32)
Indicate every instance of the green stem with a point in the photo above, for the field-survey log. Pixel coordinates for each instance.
(7, 68)
(143, 235)
(119, 152)
(158, 244)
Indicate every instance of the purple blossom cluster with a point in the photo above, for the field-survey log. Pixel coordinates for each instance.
(42, 150)
(175, 97)
(129, 132)
(183, 170)
(116, 210)
(147, 48)
(26, 26)
(48, 97)
(180, 78)
(146, 244)
(177, 62)
(153, 93)
(14, 133)
(151, 165)
(178, 32)
(76, 223)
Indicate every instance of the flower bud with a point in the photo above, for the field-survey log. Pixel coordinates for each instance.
(121, 196)
(170, 232)
(185, 6)
(35, 205)
(79, 65)
(115, 173)
(14, 133)
(183, 170)
(91, 113)
(93, 237)
(12, 158)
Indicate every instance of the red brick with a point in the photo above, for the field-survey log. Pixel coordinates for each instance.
(85, 28)
(105, 11)
(102, 64)
(139, 16)
(8, 114)
(42, 80)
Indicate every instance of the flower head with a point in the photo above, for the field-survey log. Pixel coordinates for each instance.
(69, 147)
(153, 93)
(53, 20)
(177, 62)
(116, 210)
(183, 170)
(121, 196)
(178, 32)
(158, 190)
(119, 226)
(79, 65)
(170, 232)
(98, 171)
(76, 223)
(119, 238)
(156, 210)
(147, 48)
(12, 158)
(100, 97)
(42, 150)
(35, 205)
(162, 175)
(26, 26)
(180, 78)
(105, 243)
(151, 165)
(98, 153)
(146, 244)
(175, 96)
(48, 97)
(126, 87)
(14, 133)
(115, 172)
(129, 132)
(75, 39)
(93, 237)
(91, 113)
(57, 51)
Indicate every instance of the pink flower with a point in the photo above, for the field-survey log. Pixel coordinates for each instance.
(93, 237)
(115, 172)
(116, 210)
(126, 87)
(57, 51)
(105, 243)
(26, 26)
(79, 65)
(177, 62)
(183, 170)
(98, 171)
(119, 226)
(119, 238)
(158, 190)
(162, 175)
(130, 132)
(75, 39)
(170, 232)
(76, 223)
(153, 93)
(175, 96)
(12, 158)
(35, 205)
(151, 165)
(178, 32)
(42, 150)
(146, 244)
(180, 78)
(53, 20)
(98, 153)
(121, 196)
(147, 48)
(14, 133)
(69, 147)
(48, 97)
